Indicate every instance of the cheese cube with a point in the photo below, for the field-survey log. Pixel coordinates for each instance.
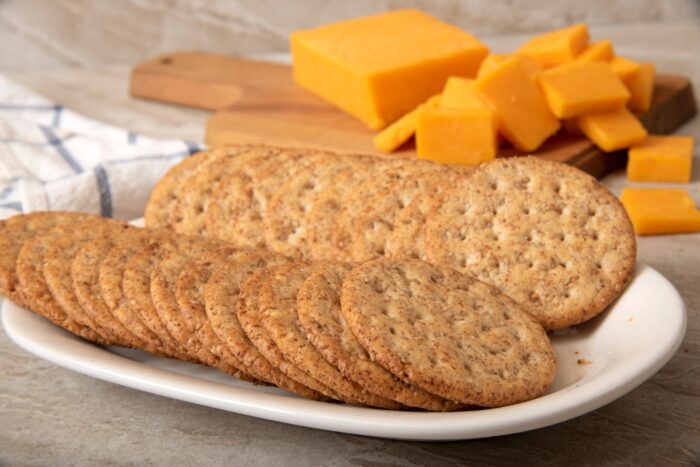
(639, 79)
(661, 159)
(557, 47)
(522, 113)
(462, 94)
(447, 136)
(601, 51)
(624, 68)
(660, 211)
(393, 136)
(614, 130)
(493, 60)
(378, 68)
(580, 88)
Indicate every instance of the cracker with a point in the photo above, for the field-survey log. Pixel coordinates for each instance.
(86, 286)
(57, 261)
(476, 345)
(237, 207)
(209, 291)
(369, 238)
(319, 314)
(248, 314)
(32, 285)
(195, 192)
(548, 235)
(162, 290)
(286, 218)
(358, 203)
(278, 309)
(326, 205)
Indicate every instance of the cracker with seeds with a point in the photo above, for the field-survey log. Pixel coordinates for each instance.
(248, 314)
(278, 309)
(548, 235)
(318, 304)
(447, 332)
(195, 191)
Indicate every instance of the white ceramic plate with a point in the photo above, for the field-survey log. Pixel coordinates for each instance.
(599, 361)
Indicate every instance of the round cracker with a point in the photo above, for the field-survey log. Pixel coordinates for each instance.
(195, 191)
(278, 309)
(476, 345)
(319, 314)
(547, 234)
(248, 314)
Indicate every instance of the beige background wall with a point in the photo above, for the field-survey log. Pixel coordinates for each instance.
(68, 33)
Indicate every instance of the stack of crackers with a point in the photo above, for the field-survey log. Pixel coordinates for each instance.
(388, 283)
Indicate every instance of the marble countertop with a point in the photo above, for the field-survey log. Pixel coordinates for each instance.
(52, 416)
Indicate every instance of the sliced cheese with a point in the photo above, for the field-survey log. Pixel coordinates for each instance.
(601, 51)
(611, 131)
(661, 159)
(396, 134)
(557, 47)
(380, 67)
(660, 211)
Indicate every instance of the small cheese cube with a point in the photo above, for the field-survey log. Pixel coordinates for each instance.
(462, 94)
(557, 47)
(614, 130)
(601, 51)
(447, 136)
(624, 67)
(660, 211)
(378, 68)
(580, 88)
(493, 60)
(522, 113)
(661, 159)
(393, 136)
(639, 79)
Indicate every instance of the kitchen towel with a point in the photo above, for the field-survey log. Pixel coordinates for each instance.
(54, 159)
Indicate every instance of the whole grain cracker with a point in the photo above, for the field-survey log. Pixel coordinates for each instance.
(355, 206)
(476, 345)
(369, 238)
(319, 314)
(195, 191)
(248, 314)
(278, 309)
(286, 223)
(237, 208)
(547, 234)
(212, 294)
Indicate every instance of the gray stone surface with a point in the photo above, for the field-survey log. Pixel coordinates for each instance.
(52, 416)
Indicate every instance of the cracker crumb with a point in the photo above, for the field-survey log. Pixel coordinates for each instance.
(630, 319)
(583, 361)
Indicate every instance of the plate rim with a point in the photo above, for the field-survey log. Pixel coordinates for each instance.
(86, 358)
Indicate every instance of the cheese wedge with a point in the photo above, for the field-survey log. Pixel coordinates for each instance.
(378, 68)
(661, 159)
(660, 211)
(396, 134)
(556, 47)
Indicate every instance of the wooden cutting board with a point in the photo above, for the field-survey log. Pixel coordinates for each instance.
(258, 102)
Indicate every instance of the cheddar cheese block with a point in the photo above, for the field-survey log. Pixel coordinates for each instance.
(557, 47)
(601, 51)
(611, 131)
(522, 113)
(462, 94)
(449, 136)
(660, 211)
(579, 88)
(378, 68)
(396, 134)
(661, 159)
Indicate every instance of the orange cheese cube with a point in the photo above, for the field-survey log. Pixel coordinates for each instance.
(660, 211)
(661, 159)
(580, 88)
(493, 60)
(557, 47)
(601, 51)
(393, 136)
(614, 130)
(624, 67)
(639, 79)
(522, 113)
(378, 68)
(462, 94)
(447, 136)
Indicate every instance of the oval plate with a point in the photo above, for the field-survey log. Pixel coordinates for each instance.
(598, 362)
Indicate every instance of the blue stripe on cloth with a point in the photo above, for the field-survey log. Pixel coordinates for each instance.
(57, 116)
(131, 137)
(51, 108)
(7, 191)
(16, 205)
(61, 149)
(105, 191)
(193, 147)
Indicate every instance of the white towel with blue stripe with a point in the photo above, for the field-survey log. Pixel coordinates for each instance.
(54, 159)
